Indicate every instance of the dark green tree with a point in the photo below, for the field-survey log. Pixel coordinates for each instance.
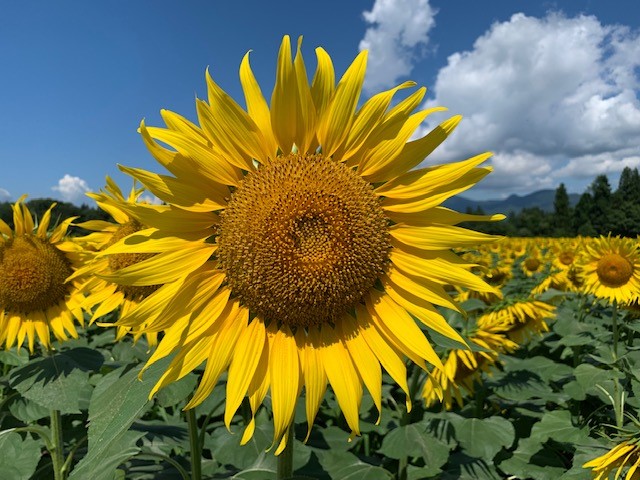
(562, 213)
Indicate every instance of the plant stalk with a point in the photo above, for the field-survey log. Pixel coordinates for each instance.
(285, 459)
(194, 443)
(56, 451)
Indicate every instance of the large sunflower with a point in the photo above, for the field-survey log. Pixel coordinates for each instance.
(35, 299)
(624, 456)
(610, 268)
(308, 242)
(103, 296)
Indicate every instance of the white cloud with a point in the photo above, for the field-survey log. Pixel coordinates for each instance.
(72, 189)
(555, 98)
(5, 196)
(149, 198)
(399, 28)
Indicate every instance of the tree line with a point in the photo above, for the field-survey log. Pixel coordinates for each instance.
(599, 211)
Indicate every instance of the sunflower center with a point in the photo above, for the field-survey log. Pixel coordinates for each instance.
(302, 240)
(566, 258)
(614, 270)
(532, 264)
(122, 260)
(32, 273)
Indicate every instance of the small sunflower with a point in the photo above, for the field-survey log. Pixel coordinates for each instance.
(103, 296)
(625, 455)
(35, 298)
(610, 269)
(519, 320)
(300, 240)
(464, 368)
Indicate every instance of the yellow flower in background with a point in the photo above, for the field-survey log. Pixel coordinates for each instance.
(464, 368)
(298, 243)
(624, 455)
(519, 320)
(103, 296)
(35, 299)
(610, 268)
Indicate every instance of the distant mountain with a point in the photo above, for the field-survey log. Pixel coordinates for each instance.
(513, 203)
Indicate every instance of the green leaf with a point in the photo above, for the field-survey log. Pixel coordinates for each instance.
(177, 391)
(533, 460)
(118, 399)
(558, 426)
(14, 357)
(346, 466)
(414, 441)
(545, 368)
(27, 411)
(484, 438)
(463, 467)
(59, 382)
(18, 457)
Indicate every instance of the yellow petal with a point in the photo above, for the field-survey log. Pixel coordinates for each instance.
(336, 121)
(257, 106)
(386, 354)
(440, 237)
(284, 373)
(243, 366)
(164, 267)
(418, 150)
(395, 322)
(342, 376)
(323, 83)
(285, 101)
(315, 377)
(364, 360)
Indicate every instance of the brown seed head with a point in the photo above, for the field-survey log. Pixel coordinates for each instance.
(614, 270)
(32, 275)
(302, 240)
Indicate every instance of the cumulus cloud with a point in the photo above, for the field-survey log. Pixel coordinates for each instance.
(5, 196)
(149, 198)
(72, 189)
(556, 98)
(398, 32)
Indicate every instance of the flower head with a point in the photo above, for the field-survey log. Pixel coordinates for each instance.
(610, 268)
(298, 243)
(35, 298)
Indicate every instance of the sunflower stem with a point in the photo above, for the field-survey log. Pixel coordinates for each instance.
(618, 404)
(56, 451)
(194, 443)
(285, 459)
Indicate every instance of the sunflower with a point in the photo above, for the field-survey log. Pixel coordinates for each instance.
(35, 299)
(610, 268)
(625, 454)
(103, 296)
(300, 241)
(464, 368)
(519, 320)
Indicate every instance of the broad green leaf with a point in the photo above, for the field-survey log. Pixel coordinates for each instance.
(178, 391)
(18, 457)
(27, 411)
(533, 460)
(346, 466)
(558, 426)
(118, 399)
(484, 438)
(13, 357)
(59, 382)
(414, 441)
(463, 467)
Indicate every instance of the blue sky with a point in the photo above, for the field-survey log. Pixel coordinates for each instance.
(550, 87)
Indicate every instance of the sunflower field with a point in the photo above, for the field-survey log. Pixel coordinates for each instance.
(301, 305)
